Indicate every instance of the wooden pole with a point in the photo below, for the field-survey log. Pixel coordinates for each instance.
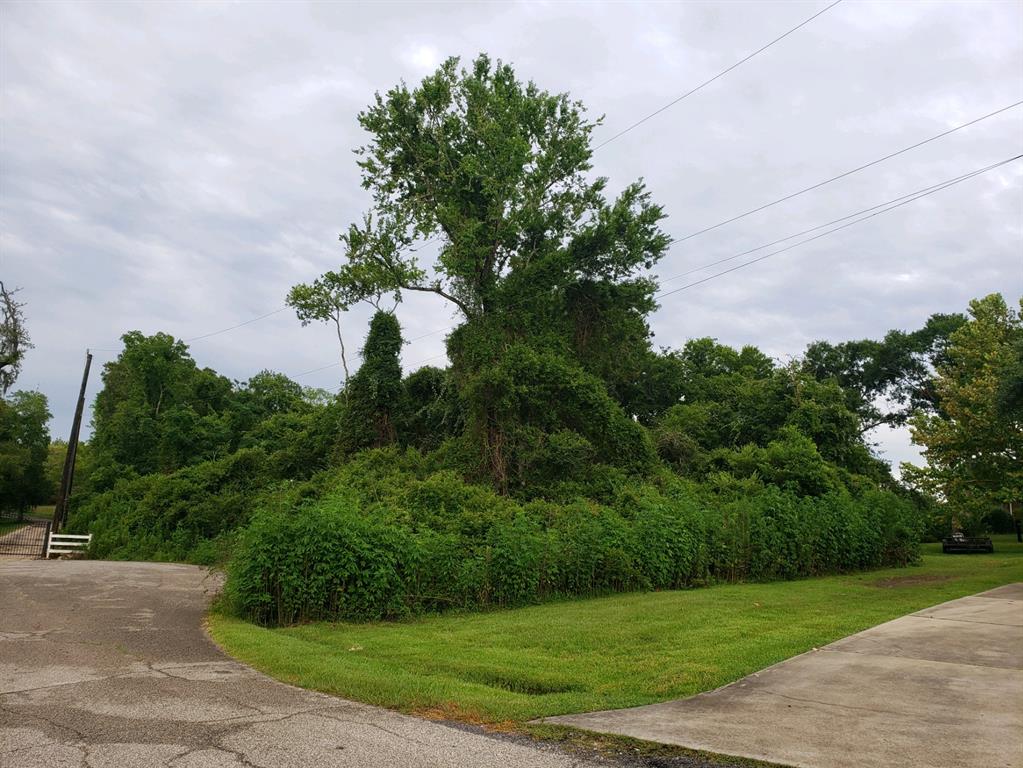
(67, 476)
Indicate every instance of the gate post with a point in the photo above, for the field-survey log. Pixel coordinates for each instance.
(46, 540)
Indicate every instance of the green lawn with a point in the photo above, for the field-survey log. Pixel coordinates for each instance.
(620, 651)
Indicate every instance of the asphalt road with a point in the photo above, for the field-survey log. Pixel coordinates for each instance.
(940, 688)
(105, 665)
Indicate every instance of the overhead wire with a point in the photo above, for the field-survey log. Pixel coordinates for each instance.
(928, 192)
(720, 74)
(933, 188)
(844, 174)
(239, 325)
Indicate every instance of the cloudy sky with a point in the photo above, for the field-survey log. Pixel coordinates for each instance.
(177, 166)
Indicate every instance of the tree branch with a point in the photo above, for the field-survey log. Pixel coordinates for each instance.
(341, 341)
(437, 289)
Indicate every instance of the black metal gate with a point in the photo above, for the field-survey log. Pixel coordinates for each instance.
(22, 535)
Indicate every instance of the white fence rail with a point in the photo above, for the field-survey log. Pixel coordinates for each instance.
(67, 543)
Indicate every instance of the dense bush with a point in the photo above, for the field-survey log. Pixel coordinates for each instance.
(182, 515)
(328, 561)
(391, 537)
(762, 475)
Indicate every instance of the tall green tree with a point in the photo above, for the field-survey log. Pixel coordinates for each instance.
(497, 171)
(158, 411)
(973, 443)
(495, 174)
(24, 442)
(886, 381)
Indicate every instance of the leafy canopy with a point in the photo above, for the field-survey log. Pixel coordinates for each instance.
(24, 443)
(898, 370)
(973, 442)
(158, 411)
(496, 171)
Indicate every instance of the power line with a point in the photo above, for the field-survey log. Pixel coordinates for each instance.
(239, 325)
(933, 188)
(820, 184)
(316, 370)
(213, 333)
(720, 74)
(930, 191)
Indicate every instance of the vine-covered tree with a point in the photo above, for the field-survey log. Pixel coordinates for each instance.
(492, 175)
(331, 295)
(376, 398)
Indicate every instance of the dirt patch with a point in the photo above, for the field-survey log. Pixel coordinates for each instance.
(908, 581)
(450, 712)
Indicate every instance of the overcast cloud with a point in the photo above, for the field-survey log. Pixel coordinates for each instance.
(177, 167)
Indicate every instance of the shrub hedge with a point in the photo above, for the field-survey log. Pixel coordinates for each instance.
(408, 540)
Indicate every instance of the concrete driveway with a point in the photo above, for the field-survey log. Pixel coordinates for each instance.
(105, 665)
(940, 688)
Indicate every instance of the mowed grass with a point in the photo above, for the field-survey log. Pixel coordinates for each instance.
(511, 666)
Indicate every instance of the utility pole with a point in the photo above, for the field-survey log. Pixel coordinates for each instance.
(67, 476)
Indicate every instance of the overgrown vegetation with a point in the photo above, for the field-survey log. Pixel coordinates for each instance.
(397, 539)
(558, 455)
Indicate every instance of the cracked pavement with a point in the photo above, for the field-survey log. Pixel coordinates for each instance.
(939, 688)
(106, 665)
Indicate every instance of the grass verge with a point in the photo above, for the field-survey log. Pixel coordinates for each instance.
(505, 668)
